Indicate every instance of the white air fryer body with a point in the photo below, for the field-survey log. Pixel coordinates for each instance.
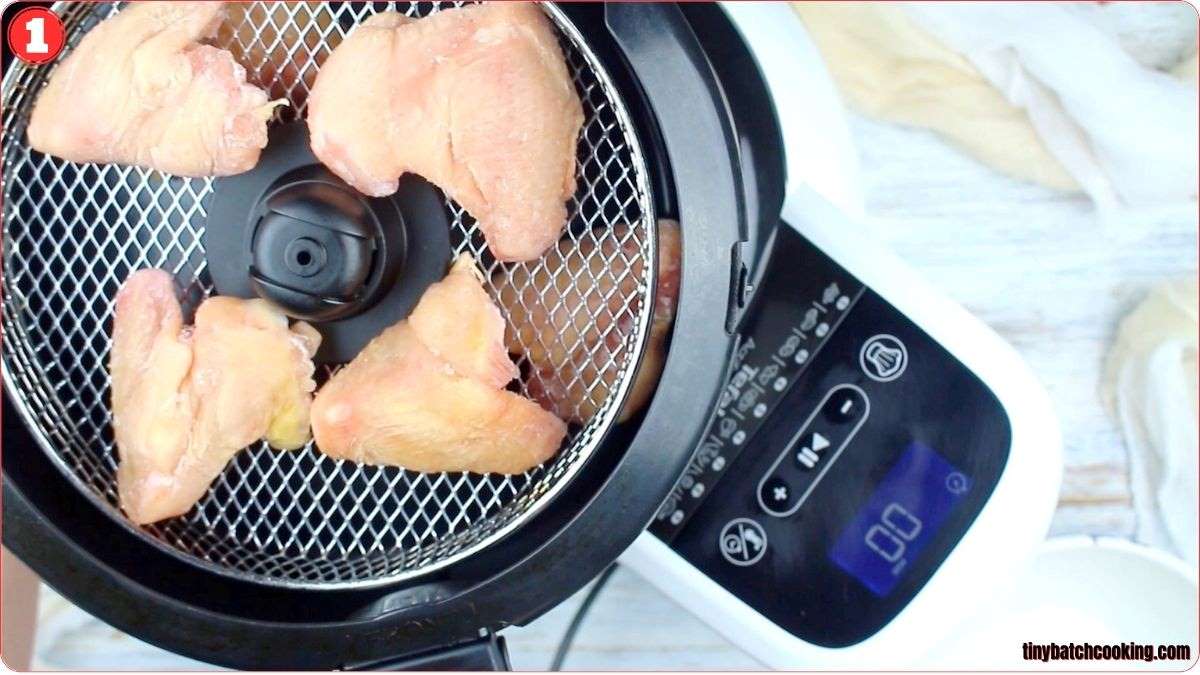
(823, 201)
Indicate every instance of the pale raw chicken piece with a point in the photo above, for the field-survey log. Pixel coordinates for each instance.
(477, 100)
(575, 334)
(186, 399)
(151, 402)
(252, 377)
(139, 89)
(427, 393)
(451, 320)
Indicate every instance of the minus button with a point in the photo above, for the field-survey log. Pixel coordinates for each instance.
(844, 406)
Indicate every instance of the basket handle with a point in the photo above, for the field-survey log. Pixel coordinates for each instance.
(485, 653)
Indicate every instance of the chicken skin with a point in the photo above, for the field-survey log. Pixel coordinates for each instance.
(140, 89)
(566, 348)
(427, 394)
(186, 399)
(477, 100)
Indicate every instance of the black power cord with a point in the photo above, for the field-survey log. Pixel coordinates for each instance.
(564, 645)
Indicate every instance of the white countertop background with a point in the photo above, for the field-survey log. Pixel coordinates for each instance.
(1035, 264)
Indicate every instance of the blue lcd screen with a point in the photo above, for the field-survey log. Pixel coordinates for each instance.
(903, 514)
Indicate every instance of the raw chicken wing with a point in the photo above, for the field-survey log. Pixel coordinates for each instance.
(140, 89)
(576, 335)
(427, 394)
(186, 399)
(477, 100)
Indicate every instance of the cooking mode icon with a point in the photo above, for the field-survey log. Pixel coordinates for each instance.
(743, 542)
(883, 358)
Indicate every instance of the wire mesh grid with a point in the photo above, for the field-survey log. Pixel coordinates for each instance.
(72, 233)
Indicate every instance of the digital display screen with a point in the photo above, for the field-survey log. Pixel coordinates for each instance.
(903, 514)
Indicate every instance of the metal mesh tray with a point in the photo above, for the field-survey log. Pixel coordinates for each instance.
(72, 233)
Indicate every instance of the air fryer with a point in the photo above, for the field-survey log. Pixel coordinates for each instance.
(391, 568)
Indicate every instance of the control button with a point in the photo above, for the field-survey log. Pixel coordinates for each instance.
(742, 542)
(843, 406)
(956, 483)
(776, 495)
(816, 446)
(819, 442)
(806, 458)
(810, 453)
(883, 358)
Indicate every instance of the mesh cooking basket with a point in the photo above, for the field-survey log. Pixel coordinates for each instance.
(72, 233)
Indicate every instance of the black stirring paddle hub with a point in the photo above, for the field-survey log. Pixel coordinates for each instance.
(291, 232)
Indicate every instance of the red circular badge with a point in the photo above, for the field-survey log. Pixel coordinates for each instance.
(36, 35)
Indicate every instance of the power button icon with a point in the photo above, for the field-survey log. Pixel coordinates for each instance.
(883, 358)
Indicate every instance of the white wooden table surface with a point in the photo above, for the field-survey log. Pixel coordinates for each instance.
(1036, 265)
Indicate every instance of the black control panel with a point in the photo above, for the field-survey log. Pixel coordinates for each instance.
(849, 454)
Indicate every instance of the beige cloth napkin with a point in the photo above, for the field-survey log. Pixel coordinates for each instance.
(889, 68)
(1151, 386)
(1125, 132)
(1037, 90)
